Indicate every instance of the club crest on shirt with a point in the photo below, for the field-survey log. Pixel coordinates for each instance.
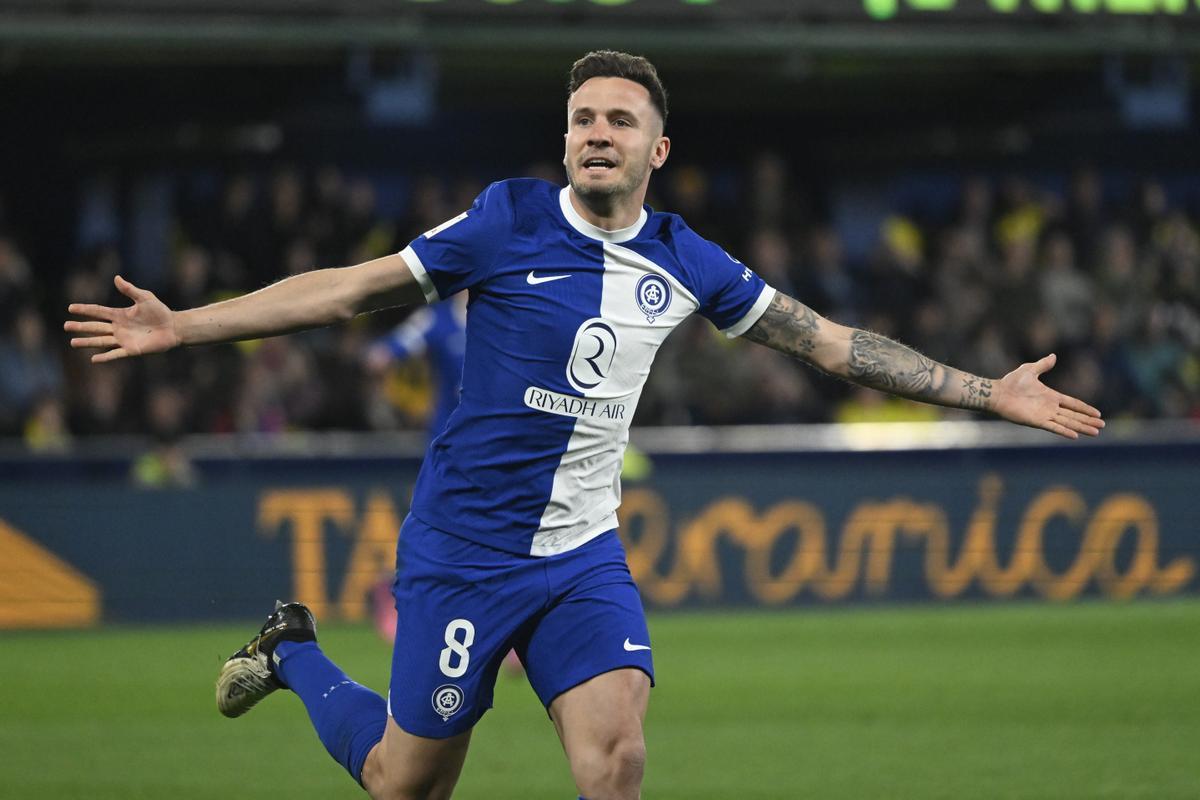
(653, 295)
(447, 700)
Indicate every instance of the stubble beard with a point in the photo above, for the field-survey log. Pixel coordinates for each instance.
(607, 197)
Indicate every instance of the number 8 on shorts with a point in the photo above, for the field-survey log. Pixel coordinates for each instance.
(455, 647)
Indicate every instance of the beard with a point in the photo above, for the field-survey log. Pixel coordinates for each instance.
(611, 192)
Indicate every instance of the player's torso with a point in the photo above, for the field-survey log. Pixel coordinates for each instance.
(566, 316)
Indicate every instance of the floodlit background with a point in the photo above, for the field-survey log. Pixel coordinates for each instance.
(852, 596)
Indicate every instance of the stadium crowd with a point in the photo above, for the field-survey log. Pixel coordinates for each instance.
(1013, 272)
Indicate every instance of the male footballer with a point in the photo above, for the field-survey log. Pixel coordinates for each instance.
(511, 538)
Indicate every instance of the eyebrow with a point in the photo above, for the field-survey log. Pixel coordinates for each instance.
(612, 112)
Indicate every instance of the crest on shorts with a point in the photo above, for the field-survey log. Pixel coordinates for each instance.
(653, 295)
(447, 700)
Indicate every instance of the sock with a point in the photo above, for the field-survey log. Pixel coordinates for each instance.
(349, 717)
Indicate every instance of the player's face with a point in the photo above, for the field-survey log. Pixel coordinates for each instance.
(614, 139)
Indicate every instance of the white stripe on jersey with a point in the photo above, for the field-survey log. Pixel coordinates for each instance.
(418, 270)
(587, 484)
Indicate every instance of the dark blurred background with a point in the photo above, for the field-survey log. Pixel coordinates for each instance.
(986, 181)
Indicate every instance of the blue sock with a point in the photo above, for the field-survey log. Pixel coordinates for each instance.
(349, 718)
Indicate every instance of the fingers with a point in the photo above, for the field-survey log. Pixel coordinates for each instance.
(1078, 423)
(1060, 429)
(96, 328)
(93, 341)
(1078, 405)
(110, 355)
(128, 289)
(1044, 364)
(91, 310)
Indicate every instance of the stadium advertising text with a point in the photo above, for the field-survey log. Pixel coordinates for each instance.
(824, 9)
(790, 551)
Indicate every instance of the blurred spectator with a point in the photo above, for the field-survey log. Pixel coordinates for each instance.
(29, 369)
(1065, 293)
(16, 279)
(165, 464)
(1012, 272)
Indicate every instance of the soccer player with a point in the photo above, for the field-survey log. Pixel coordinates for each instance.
(511, 537)
(438, 332)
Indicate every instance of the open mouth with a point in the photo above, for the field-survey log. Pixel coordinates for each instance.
(598, 166)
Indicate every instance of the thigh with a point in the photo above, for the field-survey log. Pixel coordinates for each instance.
(599, 712)
(594, 624)
(404, 765)
(459, 606)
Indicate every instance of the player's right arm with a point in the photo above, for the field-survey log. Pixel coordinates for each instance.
(309, 300)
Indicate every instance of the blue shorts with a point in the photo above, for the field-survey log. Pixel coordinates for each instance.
(462, 605)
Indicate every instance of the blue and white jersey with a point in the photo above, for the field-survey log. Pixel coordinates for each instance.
(564, 321)
(438, 333)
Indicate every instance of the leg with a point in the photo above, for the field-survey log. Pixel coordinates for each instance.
(600, 725)
(407, 767)
(588, 658)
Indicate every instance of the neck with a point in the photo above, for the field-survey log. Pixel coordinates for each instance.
(608, 213)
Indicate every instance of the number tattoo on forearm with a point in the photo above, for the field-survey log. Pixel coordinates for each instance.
(977, 393)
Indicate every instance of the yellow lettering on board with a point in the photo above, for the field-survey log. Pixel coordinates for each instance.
(307, 511)
(1115, 516)
(374, 555)
(760, 536)
(40, 590)
(644, 553)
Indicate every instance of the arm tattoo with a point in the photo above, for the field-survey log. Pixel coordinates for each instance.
(977, 393)
(880, 363)
(787, 326)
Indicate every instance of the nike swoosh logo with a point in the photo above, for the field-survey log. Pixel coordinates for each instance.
(534, 280)
(634, 647)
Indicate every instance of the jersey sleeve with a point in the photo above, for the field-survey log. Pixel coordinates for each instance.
(460, 253)
(733, 296)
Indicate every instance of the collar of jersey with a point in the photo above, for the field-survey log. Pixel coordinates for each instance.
(588, 229)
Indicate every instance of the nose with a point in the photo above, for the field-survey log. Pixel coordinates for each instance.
(599, 135)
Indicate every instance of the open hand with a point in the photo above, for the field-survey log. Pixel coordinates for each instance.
(1021, 397)
(147, 326)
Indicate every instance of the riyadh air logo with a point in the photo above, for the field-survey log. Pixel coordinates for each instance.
(447, 700)
(653, 296)
(592, 356)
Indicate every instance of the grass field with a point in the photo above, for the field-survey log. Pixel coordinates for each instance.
(1017, 701)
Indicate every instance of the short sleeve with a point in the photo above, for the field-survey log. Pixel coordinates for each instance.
(459, 253)
(733, 295)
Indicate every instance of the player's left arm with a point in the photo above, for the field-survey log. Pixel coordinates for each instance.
(872, 360)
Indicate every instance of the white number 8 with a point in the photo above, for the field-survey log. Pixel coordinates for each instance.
(457, 648)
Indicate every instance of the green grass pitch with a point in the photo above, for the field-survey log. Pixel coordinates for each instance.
(1091, 700)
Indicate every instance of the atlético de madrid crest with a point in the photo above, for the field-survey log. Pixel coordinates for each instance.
(653, 295)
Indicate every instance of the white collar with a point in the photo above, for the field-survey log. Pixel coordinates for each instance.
(588, 229)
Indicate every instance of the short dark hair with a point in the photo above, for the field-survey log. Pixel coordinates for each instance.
(615, 64)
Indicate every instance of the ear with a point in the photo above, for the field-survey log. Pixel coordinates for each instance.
(662, 148)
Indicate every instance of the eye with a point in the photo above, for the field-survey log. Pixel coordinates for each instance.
(581, 121)
(621, 123)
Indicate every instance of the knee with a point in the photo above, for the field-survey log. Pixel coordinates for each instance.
(384, 784)
(382, 788)
(614, 771)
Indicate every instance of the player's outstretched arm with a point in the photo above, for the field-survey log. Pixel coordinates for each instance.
(309, 300)
(878, 362)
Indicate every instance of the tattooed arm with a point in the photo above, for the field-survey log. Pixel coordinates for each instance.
(878, 362)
